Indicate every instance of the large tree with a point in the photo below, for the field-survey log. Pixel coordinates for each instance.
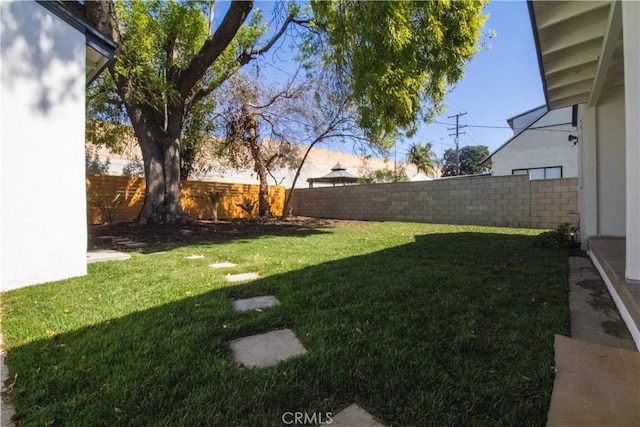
(395, 58)
(166, 68)
(470, 158)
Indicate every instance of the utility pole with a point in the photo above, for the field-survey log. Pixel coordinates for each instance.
(457, 135)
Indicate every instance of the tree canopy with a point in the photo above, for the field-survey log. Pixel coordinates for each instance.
(398, 58)
(393, 60)
(470, 158)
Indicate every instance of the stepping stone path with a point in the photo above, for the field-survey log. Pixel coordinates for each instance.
(123, 241)
(255, 303)
(194, 257)
(222, 265)
(241, 277)
(268, 349)
(355, 416)
(134, 245)
(106, 255)
(271, 348)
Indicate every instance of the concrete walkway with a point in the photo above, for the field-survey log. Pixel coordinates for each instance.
(597, 379)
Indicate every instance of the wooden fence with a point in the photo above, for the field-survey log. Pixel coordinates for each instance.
(119, 198)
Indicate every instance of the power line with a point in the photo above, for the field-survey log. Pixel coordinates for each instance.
(542, 128)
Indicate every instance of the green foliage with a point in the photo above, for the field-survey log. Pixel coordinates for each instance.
(248, 206)
(381, 176)
(397, 58)
(215, 197)
(107, 122)
(106, 205)
(422, 157)
(470, 158)
(159, 40)
(564, 236)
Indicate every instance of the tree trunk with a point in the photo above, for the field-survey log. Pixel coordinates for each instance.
(161, 155)
(264, 207)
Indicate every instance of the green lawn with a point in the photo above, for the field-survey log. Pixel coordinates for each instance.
(419, 324)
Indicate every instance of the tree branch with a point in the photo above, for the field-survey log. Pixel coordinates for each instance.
(213, 46)
(249, 54)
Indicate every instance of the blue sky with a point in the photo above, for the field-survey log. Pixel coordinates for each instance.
(501, 81)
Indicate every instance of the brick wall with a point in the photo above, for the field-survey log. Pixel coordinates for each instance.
(102, 189)
(505, 201)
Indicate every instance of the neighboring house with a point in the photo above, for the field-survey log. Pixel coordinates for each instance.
(47, 56)
(542, 146)
(589, 55)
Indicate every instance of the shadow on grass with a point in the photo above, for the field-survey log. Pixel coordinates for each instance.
(453, 329)
(160, 237)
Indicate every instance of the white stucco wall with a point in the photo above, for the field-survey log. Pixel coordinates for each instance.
(631, 34)
(544, 144)
(610, 127)
(43, 228)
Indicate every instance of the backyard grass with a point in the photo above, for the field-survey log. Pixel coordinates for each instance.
(419, 324)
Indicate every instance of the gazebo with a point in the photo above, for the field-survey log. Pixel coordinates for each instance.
(338, 175)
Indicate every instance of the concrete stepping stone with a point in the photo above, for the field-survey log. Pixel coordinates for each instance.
(223, 265)
(259, 351)
(354, 416)
(194, 257)
(255, 303)
(241, 277)
(106, 255)
(134, 245)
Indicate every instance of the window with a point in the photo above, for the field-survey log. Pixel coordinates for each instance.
(552, 172)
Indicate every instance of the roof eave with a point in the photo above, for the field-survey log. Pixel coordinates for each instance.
(536, 39)
(95, 40)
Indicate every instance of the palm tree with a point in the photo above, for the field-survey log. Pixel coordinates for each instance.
(422, 157)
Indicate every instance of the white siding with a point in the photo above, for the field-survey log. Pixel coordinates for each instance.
(631, 34)
(544, 144)
(42, 88)
(611, 163)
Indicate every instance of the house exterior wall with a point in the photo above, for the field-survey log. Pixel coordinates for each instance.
(610, 127)
(503, 201)
(547, 146)
(602, 166)
(631, 38)
(42, 89)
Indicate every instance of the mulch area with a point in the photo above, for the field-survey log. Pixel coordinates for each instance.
(208, 231)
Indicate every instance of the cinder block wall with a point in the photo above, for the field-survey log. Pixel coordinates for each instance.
(504, 201)
(102, 189)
